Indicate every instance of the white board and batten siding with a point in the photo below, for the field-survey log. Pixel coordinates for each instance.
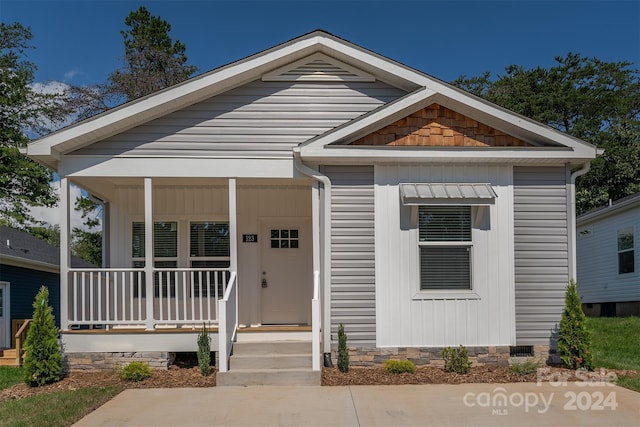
(259, 119)
(541, 251)
(353, 301)
(597, 253)
(408, 317)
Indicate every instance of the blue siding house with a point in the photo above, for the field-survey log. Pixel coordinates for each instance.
(26, 264)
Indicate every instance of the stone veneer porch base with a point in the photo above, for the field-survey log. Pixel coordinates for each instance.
(108, 361)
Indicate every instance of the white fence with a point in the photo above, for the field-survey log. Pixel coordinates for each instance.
(104, 297)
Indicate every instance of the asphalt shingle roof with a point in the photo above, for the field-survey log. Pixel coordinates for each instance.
(19, 244)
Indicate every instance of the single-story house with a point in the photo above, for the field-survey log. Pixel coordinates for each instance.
(26, 264)
(608, 253)
(313, 184)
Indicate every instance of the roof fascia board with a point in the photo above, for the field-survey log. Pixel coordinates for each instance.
(476, 104)
(599, 214)
(157, 104)
(27, 263)
(439, 155)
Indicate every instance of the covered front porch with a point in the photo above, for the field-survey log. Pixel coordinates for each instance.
(228, 254)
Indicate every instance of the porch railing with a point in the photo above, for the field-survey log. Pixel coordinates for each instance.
(110, 296)
(315, 323)
(228, 324)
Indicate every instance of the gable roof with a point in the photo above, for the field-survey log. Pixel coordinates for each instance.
(24, 250)
(628, 202)
(341, 59)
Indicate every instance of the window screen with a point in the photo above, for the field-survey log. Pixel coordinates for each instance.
(445, 247)
(209, 239)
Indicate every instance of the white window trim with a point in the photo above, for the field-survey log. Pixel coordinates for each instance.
(447, 294)
(631, 249)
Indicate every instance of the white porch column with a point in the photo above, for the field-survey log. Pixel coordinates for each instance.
(315, 221)
(233, 227)
(65, 253)
(148, 250)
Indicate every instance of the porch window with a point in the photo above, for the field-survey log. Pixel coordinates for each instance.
(626, 256)
(165, 253)
(445, 246)
(209, 248)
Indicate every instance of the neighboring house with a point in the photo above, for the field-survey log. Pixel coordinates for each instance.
(26, 264)
(432, 217)
(608, 250)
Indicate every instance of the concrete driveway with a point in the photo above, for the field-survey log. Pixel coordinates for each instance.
(521, 404)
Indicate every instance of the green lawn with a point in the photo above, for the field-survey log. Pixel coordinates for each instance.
(9, 376)
(58, 409)
(616, 345)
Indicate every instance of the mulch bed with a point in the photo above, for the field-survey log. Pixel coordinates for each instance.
(183, 375)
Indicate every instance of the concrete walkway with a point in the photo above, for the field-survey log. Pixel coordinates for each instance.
(494, 405)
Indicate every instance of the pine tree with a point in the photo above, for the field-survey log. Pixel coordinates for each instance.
(204, 351)
(43, 361)
(574, 339)
(343, 350)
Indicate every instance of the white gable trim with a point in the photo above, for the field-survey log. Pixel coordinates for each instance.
(48, 150)
(341, 71)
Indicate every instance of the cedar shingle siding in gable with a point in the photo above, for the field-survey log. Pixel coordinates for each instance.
(437, 126)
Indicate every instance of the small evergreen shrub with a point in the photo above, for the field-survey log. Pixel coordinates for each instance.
(343, 350)
(135, 371)
(574, 339)
(399, 366)
(204, 351)
(43, 361)
(525, 368)
(456, 360)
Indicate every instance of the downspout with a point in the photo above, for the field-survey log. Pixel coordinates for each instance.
(326, 248)
(573, 269)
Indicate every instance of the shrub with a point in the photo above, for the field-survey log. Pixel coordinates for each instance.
(43, 361)
(343, 350)
(525, 368)
(204, 351)
(135, 371)
(456, 360)
(574, 339)
(399, 366)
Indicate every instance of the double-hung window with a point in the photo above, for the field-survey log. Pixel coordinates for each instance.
(445, 244)
(165, 252)
(209, 248)
(626, 255)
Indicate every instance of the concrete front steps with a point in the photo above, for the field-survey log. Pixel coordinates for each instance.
(8, 357)
(269, 363)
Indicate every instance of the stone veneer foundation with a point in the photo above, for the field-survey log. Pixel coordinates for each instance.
(105, 361)
(432, 356)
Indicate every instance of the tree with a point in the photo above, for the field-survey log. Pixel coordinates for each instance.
(43, 361)
(152, 61)
(590, 99)
(23, 182)
(574, 339)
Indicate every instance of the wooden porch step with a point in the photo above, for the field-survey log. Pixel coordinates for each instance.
(8, 357)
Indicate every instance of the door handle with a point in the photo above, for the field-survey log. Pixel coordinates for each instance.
(264, 283)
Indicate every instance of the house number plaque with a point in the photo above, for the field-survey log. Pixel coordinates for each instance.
(250, 238)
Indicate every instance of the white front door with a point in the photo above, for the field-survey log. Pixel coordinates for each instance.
(4, 315)
(286, 277)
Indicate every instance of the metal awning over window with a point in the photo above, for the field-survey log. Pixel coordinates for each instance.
(440, 193)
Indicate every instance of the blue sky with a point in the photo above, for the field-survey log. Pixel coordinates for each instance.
(79, 42)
